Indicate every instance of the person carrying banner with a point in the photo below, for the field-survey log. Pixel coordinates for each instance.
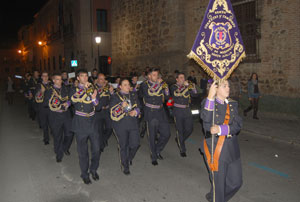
(226, 169)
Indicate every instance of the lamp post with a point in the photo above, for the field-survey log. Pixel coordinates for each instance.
(98, 41)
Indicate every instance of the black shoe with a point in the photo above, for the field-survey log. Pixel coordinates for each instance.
(159, 156)
(130, 163)
(101, 150)
(154, 163)
(208, 197)
(126, 172)
(95, 176)
(87, 180)
(46, 142)
(58, 159)
(182, 154)
(67, 153)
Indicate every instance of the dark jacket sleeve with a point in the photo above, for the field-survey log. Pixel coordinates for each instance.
(47, 96)
(237, 122)
(206, 116)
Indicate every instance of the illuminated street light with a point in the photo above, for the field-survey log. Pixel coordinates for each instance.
(98, 40)
(40, 43)
(19, 51)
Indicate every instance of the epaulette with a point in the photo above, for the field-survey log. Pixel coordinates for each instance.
(231, 100)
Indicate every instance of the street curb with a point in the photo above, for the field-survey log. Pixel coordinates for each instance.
(294, 143)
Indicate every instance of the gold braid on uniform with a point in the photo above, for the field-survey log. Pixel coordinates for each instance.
(39, 97)
(56, 100)
(117, 112)
(81, 96)
(104, 91)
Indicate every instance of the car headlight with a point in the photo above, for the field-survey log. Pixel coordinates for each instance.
(195, 111)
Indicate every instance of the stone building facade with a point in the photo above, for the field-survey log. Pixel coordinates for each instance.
(65, 30)
(161, 33)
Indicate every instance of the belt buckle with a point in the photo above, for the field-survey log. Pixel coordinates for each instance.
(229, 136)
(87, 115)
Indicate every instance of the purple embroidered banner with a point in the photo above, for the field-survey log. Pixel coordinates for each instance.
(218, 47)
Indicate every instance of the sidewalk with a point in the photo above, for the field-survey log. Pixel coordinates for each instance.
(278, 127)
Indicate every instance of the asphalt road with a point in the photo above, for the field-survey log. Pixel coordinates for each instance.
(29, 173)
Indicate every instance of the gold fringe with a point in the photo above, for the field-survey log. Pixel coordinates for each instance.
(211, 73)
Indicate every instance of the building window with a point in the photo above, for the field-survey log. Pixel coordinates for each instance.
(49, 64)
(101, 20)
(60, 62)
(54, 65)
(249, 25)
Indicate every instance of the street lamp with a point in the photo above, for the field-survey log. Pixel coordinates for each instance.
(20, 51)
(98, 41)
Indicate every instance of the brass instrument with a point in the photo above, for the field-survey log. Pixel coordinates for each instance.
(191, 85)
(164, 85)
(90, 90)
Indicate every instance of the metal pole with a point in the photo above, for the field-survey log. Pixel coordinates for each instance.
(98, 58)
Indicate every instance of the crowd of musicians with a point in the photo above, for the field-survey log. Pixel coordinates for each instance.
(90, 110)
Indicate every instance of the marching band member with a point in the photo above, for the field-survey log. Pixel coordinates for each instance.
(124, 112)
(181, 93)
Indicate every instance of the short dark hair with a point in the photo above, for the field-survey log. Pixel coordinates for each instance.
(122, 80)
(64, 72)
(56, 74)
(154, 69)
(95, 70)
(176, 71)
(44, 72)
(81, 71)
(178, 74)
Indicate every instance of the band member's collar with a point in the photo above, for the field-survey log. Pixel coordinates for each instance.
(123, 93)
(180, 86)
(100, 86)
(45, 83)
(80, 86)
(56, 87)
(221, 101)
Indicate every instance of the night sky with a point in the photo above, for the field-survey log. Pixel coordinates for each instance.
(14, 14)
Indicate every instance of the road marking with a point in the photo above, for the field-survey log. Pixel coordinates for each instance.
(269, 170)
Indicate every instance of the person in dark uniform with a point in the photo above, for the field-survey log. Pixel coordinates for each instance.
(31, 87)
(33, 83)
(43, 110)
(154, 93)
(181, 93)
(28, 95)
(124, 112)
(134, 84)
(102, 115)
(94, 76)
(225, 164)
(65, 78)
(57, 99)
(86, 100)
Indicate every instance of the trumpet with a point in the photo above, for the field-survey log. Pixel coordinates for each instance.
(90, 89)
(164, 85)
(191, 85)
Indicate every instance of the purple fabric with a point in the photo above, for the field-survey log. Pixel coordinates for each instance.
(95, 102)
(224, 130)
(218, 45)
(138, 111)
(209, 105)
